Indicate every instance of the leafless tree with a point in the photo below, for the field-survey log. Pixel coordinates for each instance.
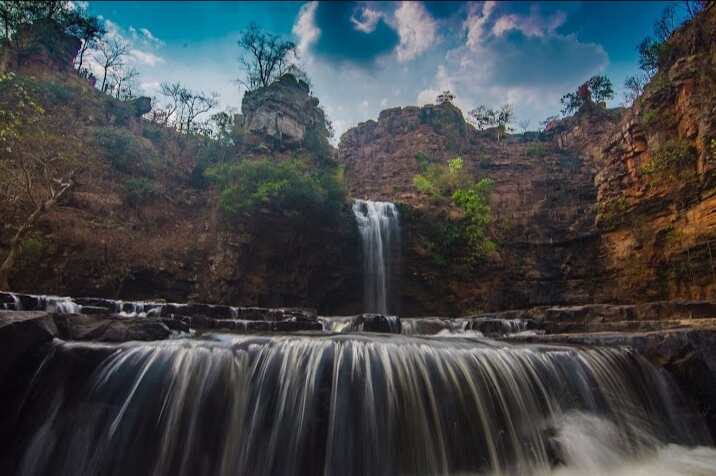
(264, 57)
(196, 103)
(124, 82)
(111, 54)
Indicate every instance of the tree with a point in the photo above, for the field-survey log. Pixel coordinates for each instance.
(445, 97)
(123, 82)
(39, 158)
(595, 91)
(111, 54)
(194, 104)
(453, 182)
(90, 31)
(483, 117)
(634, 87)
(264, 57)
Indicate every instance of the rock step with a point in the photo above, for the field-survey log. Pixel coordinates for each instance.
(571, 327)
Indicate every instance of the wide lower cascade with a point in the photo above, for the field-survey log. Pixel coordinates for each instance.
(352, 405)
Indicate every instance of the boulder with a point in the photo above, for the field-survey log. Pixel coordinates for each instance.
(20, 332)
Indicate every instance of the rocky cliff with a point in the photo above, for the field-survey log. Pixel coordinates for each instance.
(543, 200)
(579, 214)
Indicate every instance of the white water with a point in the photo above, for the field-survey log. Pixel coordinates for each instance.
(356, 405)
(379, 226)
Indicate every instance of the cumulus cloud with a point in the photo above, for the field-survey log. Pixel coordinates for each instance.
(416, 28)
(146, 57)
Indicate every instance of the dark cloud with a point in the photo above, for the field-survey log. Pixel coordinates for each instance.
(340, 41)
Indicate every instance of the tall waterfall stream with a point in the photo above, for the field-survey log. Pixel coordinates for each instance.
(379, 226)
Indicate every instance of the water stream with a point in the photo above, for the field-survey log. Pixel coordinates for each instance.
(379, 226)
(354, 405)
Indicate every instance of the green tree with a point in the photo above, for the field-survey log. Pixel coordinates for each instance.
(593, 92)
(288, 186)
(454, 184)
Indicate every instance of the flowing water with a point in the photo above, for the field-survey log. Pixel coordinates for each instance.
(379, 226)
(354, 404)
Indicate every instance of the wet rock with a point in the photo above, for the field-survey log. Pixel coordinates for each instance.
(295, 326)
(22, 331)
(380, 323)
(109, 328)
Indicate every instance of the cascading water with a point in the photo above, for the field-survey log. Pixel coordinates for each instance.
(353, 405)
(379, 227)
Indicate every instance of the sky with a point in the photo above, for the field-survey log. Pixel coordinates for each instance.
(363, 57)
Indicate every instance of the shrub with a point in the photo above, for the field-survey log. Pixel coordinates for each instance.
(453, 182)
(537, 149)
(138, 191)
(675, 160)
(287, 186)
(126, 152)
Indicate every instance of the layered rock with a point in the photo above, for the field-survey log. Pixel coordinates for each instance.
(282, 115)
(543, 203)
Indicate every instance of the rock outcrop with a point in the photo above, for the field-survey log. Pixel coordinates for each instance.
(282, 115)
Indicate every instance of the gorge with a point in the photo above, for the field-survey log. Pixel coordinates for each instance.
(424, 296)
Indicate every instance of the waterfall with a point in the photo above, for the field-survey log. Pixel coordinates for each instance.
(352, 405)
(379, 227)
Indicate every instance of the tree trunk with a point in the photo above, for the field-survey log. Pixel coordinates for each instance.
(9, 261)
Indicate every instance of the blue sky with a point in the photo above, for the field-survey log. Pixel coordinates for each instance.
(363, 57)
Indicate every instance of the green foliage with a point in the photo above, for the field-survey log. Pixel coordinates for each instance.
(138, 191)
(595, 91)
(424, 160)
(126, 152)
(675, 160)
(441, 180)
(18, 110)
(287, 186)
(453, 182)
(612, 211)
(537, 149)
(474, 202)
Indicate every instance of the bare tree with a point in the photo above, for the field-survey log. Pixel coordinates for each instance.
(634, 87)
(264, 57)
(124, 82)
(111, 54)
(39, 158)
(173, 92)
(196, 103)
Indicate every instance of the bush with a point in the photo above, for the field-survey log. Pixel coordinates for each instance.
(452, 181)
(675, 160)
(537, 150)
(287, 186)
(126, 152)
(138, 191)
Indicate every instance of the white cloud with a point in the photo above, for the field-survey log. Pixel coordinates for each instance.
(146, 57)
(532, 25)
(305, 28)
(368, 20)
(476, 22)
(416, 28)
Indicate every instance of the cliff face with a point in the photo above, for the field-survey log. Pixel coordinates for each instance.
(140, 221)
(543, 202)
(656, 182)
(580, 215)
